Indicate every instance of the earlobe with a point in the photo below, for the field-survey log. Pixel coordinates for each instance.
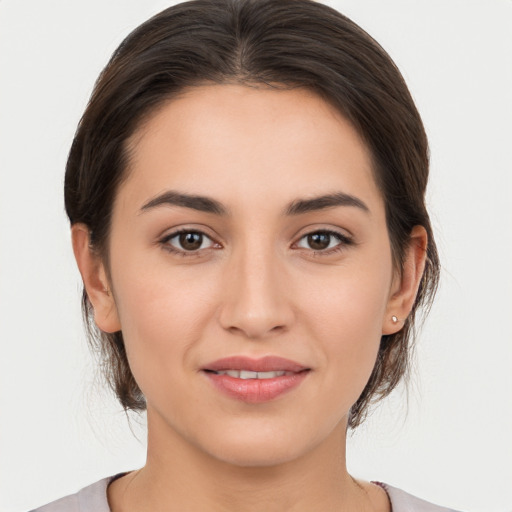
(405, 286)
(95, 280)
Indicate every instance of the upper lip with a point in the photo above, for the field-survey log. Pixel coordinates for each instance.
(263, 364)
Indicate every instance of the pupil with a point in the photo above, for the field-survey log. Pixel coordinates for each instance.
(191, 241)
(319, 241)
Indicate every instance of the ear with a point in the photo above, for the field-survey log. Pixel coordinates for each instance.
(405, 285)
(95, 280)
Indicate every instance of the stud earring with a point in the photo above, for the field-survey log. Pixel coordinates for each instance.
(394, 319)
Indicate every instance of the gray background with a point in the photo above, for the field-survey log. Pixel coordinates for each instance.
(59, 431)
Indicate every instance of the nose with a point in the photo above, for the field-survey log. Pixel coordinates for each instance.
(255, 299)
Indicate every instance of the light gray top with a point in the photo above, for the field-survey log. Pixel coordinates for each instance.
(93, 498)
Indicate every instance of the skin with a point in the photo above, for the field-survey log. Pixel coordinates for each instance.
(255, 287)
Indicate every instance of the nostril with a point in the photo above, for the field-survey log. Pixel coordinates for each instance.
(255, 306)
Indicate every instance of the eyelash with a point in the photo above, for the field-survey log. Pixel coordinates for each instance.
(343, 240)
(168, 247)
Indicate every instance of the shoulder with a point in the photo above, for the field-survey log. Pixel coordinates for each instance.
(402, 501)
(92, 498)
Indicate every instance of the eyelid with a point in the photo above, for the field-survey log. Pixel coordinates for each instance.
(344, 240)
(164, 241)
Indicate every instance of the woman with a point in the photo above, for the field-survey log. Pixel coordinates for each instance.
(246, 195)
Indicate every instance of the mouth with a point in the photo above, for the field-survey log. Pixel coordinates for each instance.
(255, 380)
(248, 374)
(249, 365)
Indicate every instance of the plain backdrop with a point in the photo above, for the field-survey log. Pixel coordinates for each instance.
(450, 442)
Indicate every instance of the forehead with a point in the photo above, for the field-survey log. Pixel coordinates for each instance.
(256, 142)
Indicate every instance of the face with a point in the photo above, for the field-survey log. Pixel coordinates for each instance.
(251, 272)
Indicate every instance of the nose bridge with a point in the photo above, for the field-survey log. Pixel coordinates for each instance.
(255, 301)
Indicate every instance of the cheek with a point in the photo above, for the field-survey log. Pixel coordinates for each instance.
(347, 320)
(350, 303)
(162, 311)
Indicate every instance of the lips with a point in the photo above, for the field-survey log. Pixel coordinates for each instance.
(264, 364)
(255, 380)
(248, 374)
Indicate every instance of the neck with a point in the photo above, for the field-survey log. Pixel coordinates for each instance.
(179, 476)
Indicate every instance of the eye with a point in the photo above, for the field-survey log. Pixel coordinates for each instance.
(187, 241)
(323, 241)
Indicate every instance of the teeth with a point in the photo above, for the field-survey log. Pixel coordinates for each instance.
(247, 374)
(269, 375)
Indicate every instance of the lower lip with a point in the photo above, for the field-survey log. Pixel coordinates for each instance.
(256, 391)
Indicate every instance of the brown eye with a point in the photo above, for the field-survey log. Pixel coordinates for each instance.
(319, 241)
(191, 241)
(188, 241)
(323, 240)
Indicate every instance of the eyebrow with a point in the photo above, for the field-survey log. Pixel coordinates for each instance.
(297, 207)
(325, 201)
(195, 202)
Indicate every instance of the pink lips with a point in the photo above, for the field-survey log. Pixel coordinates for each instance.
(255, 390)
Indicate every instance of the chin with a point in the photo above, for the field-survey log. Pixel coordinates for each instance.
(255, 455)
(261, 447)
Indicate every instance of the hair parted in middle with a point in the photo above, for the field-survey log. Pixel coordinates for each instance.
(281, 44)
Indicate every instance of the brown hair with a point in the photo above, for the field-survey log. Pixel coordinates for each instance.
(277, 43)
